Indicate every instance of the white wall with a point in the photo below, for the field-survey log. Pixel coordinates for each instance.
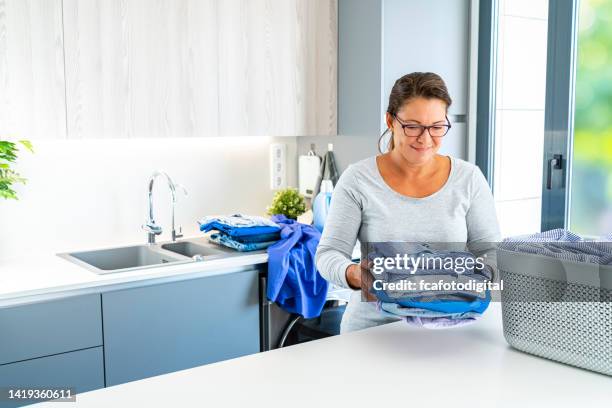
(88, 194)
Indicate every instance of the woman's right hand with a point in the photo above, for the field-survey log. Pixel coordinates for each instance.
(355, 275)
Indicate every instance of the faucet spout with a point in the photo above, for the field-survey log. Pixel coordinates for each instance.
(150, 226)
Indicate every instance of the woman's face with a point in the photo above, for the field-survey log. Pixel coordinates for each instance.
(417, 111)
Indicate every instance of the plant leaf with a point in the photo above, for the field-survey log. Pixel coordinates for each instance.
(8, 176)
(8, 194)
(28, 145)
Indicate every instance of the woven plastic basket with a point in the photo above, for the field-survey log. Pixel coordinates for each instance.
(557, 309)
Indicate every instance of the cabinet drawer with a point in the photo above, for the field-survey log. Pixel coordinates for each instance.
(45, 328)
(81, 370)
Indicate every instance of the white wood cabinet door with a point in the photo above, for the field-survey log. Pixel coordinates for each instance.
(32, 100)
(176, 68)
(277, 67)
(141, 68)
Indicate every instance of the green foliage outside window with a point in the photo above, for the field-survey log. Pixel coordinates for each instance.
(591, 209)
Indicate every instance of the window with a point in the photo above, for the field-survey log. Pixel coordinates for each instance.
(519, 114)
(591, 182)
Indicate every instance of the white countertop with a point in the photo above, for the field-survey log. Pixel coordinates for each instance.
(385, 366)
(47, 276)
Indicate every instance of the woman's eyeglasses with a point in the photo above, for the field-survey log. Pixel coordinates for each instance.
(414, 130)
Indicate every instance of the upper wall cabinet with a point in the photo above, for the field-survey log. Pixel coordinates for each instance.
(139, 68)
(32, 104)
(277, 67)
(176, 68)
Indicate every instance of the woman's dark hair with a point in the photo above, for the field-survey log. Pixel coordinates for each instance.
(417, 84)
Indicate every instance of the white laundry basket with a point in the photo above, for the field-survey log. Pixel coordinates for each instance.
(558, 309)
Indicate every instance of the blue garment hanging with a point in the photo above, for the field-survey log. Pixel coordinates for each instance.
(294, 282)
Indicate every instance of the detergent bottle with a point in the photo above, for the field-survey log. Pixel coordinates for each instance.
(321, 203)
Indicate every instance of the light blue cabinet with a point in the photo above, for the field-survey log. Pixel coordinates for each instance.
(50, 327)
(80, 370)
(167, 327)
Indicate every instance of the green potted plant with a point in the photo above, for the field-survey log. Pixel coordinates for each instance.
(8, 176)
(288, 202)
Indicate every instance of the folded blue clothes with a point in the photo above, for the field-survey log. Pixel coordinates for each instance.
(562, 244)
(471, 286)
(225, 240)
(438, 322)
(421, 259)
(393, 309)
(424, 267)
(428, 318)
(442, 305)
(274, 236)
(239, 225)
(449, 306)
(433, 319)
(239, 221)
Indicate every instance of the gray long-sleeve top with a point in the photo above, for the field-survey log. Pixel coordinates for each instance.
(363, 206)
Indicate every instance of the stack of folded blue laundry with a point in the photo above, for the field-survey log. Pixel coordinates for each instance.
(241, 232)
(435, 309)
(562, 244)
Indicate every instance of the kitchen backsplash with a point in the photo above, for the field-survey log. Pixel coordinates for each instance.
(93, 193)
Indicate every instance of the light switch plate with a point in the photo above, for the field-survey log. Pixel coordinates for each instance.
(278, 166)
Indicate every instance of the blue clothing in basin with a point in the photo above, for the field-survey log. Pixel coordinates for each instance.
(294, 282)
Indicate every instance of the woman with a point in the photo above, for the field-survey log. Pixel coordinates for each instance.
(411, 193)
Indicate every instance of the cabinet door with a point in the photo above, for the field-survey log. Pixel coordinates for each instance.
(49, 327)
(277, 67)
(199, 68)
(79, 370)
(168, 327)
(32, 103)
(138, 68)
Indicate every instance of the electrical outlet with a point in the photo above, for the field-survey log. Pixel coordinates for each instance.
(278, 166)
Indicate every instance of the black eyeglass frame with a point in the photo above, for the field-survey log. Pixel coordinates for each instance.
(423, 128)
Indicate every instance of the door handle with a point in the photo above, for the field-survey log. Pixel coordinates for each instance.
(264, 314)
(556, 163)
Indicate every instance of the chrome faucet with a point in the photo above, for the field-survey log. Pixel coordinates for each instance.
(150, 226)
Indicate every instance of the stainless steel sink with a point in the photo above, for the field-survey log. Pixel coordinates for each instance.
(123, 259)
(193, 250)
(138, 257)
